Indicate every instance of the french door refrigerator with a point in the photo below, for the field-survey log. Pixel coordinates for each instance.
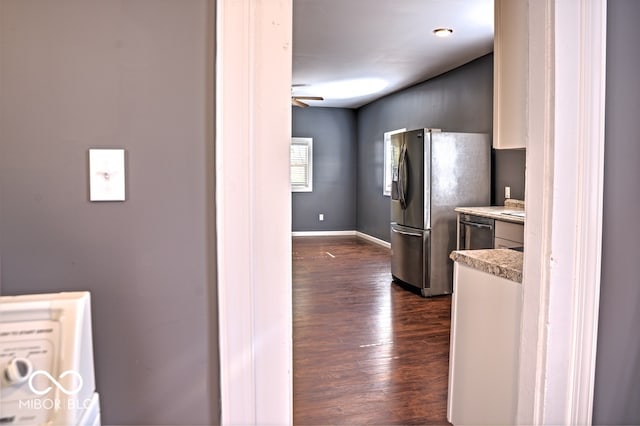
(433, 173)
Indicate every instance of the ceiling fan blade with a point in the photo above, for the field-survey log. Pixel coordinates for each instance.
(310, 98)
(298, 103)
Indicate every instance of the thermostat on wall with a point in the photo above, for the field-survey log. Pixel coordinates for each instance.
(106, 175)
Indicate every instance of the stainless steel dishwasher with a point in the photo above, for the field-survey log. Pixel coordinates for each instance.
(475, 232)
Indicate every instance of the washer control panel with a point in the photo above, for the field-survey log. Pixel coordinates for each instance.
(28, 377)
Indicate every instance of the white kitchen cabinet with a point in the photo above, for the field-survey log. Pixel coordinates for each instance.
(508, 235)
(485, 341)
(510, 74)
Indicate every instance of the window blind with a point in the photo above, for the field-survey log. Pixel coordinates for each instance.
(301, 164)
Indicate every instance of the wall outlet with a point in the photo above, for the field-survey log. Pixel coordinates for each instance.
(507, 192)
(321, 217)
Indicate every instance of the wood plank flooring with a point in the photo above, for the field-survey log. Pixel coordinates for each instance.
(365, 350)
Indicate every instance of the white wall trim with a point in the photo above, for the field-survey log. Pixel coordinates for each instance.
(538, 187)
(237, 366)
(564, 220)
(253, 208)
(358, 234)
(321, 233)
(588, 220)
(373, 239)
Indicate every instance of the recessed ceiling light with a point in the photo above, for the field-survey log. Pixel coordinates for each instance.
(443, 32)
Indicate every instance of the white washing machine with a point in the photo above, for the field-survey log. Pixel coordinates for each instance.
(46, 360)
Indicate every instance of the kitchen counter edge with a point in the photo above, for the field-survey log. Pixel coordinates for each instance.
(493, 212)
(503, 263)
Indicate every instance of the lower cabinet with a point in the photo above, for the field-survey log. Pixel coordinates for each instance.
(508, 235)
(485, 341)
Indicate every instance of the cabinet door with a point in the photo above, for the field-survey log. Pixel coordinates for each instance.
(501, 243)
(509, 231)
(485, 342)
(510, 74)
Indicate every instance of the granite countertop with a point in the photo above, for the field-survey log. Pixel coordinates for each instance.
(506, 213)
(512, 202)
(503, 263)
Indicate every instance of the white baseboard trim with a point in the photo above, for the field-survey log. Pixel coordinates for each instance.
(341, 233)
(321, 233)
(373, 239)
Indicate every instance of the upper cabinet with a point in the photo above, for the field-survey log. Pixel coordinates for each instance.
(510, 74)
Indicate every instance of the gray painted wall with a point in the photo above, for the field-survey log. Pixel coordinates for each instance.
(508, 170)
(334, 170)
(460, 100)
(134, 74)
(617, 386)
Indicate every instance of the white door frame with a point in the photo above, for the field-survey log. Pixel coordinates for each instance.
(253, 209)
(562, 235)
(563, 232)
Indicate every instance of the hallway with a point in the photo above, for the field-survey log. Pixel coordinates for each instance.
(365, 351)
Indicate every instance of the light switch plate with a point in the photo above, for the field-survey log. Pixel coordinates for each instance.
(106, 175)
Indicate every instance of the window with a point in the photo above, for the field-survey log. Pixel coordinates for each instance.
(301, 164)
(388, 155)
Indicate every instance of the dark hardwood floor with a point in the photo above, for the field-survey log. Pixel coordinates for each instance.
(365, 351)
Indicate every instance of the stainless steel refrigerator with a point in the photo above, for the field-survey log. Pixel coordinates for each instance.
(432, 174)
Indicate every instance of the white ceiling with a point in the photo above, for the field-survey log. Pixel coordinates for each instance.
(389, 41)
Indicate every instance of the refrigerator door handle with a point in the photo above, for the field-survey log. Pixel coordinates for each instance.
(476, 225)
(411, 234)
(402, 177)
